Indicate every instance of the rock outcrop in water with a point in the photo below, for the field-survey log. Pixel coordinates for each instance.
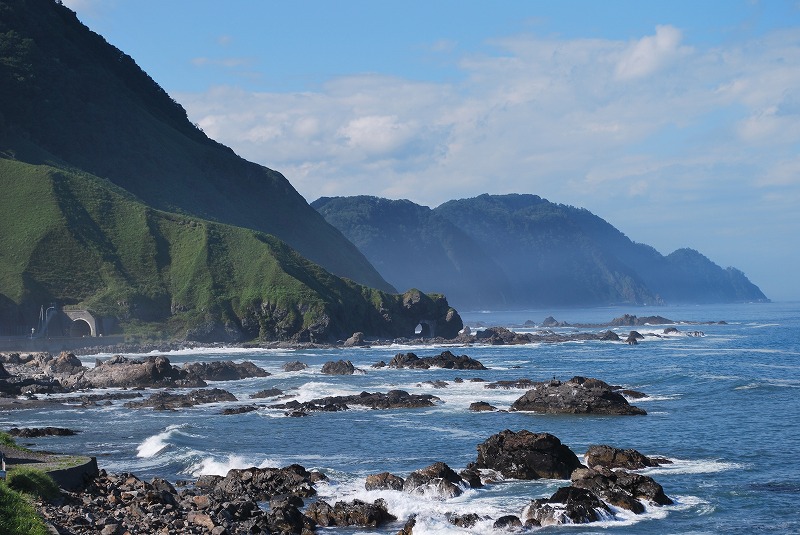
(579, 395)
(393, 399)
(526, 455)
(611, 457)
(446, 360)
(164, 401)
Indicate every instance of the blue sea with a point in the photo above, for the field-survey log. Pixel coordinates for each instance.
(724, 407)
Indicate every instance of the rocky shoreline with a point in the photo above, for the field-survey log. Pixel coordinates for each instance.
(284, 501)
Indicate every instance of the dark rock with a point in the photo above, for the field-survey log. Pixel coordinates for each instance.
(4, 373)
(526, 455)
(408, 527)
(610, 457)
(380, 364)
(446, 360)
(169, 401)
(394, 399)
(35, 432)
(501, 336)
(621, 488)
(65, 363)
(579, 395)
(339, 367)
(268, 393)
(550, 321)
(152, 371)
(436, 384)
(633, 338)
(568, 505)
(519, 383)
(480, 406)
(610, 336)
(295, 366)
(239, 410)
(384, 481)
(355, 513)
(671, 330)
(463, 521)
(508, 523)
(261, 484)
(438, 479)
(224, 370)
(635, 394)
(471, 477)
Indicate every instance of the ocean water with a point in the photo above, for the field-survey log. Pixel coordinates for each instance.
(724, 407)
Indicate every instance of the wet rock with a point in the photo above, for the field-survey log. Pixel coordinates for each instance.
(339, 367)
(508, 523)
(408, 527)
(519, 383)
(224, 370)
(501, 336)
(168, 401)
(610, 457)
(394, 399)
(579, 395)
(621, 488)
(568, 505)
(268, 393)
(463, 521)
(479, 406)
(239, 410)
(66, 363)
(149, 372)
(261, 484)
(437, 479)
(526, 455)
(384, 481)
(446, 360)
(295, 366)
(610, 336)
(355, 513)
(35, 432)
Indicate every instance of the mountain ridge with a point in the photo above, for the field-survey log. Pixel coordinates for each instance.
(550, 254)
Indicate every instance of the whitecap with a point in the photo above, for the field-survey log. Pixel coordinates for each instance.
(152, 446)
(699, 466)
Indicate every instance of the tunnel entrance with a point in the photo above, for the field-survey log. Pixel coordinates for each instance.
(80, 328)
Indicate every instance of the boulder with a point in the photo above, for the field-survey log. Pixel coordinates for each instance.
(3, 372)
(467, 520)
(507, 384)
(394, 399)
(501, 336)
(261, 484)
(267, 393)
(446, 360)
(508, 523)
(168, 401)
(609, 336)
(224, 370)
(384, 481)
(339, 367)
(355, 513)
(480, 406)
(620, 488)
(579, 395)
(295, 366)
(568, 505)
(65, 362)
(149, 372)
(610, 457)
(526, 455)
(437, 479)
(356, 340)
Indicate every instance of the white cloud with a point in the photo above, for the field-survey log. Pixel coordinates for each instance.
(651, 53)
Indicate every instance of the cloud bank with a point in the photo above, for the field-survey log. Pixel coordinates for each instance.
(652, 133)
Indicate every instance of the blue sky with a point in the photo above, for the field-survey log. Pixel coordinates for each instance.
(678, 122)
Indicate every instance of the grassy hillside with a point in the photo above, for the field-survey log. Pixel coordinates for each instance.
(73, 238)
(71, 99)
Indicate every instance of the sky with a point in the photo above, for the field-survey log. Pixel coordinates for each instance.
(677, 122)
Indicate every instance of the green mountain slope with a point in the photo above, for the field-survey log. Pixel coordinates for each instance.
(412, 246)
(74, 238)
(71, 99)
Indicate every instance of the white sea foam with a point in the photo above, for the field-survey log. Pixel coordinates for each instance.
(212, 466)
(699, 466)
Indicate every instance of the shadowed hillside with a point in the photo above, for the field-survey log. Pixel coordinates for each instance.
(71, 99)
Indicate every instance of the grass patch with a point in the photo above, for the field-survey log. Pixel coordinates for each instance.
(8, 441)
(17, 514)
(33, 482)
